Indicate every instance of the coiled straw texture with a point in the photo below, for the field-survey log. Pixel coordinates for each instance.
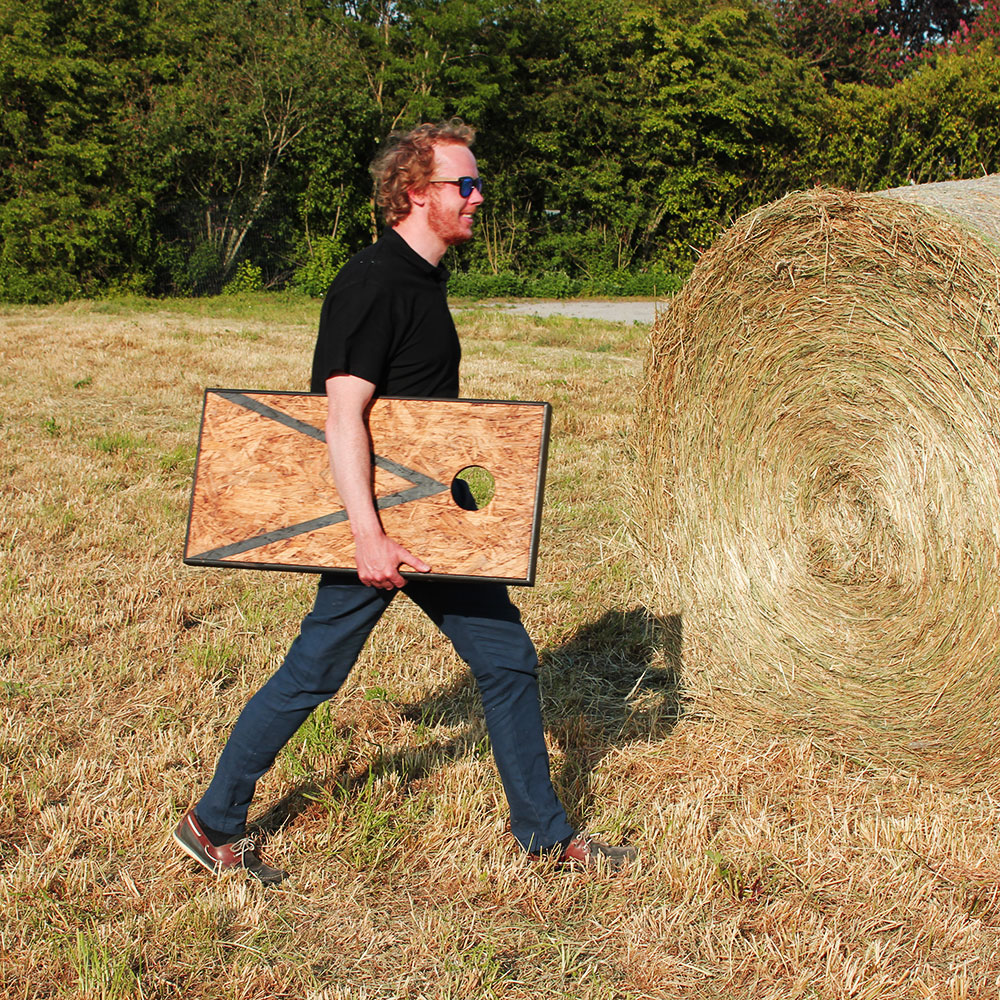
(817, 488)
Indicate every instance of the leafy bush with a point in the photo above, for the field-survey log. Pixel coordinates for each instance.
(29, 285)
(203, 271)
(648, 284)
(248, 278)
(558, 285)
(941, 123)
(37, 254)
(327, 255)
(478, 285)
(554, 285)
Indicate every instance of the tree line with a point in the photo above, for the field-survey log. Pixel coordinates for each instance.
(183, 146)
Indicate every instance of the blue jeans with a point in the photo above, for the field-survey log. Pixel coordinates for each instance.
(486, 631)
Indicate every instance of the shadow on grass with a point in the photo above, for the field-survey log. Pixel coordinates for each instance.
(615, 682)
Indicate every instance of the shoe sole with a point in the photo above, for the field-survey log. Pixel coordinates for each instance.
(212, 867)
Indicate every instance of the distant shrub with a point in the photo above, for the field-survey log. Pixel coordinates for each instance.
(201, 272)
(248, 278)
(480, 285)
(559, 285)
(651, 283)
(552, 285)
(326, 256)
(33, 270)
(133, 283)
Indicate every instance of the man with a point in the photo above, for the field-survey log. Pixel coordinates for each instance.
(385, 329)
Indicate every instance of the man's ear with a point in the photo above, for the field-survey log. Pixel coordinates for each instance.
(418, 198)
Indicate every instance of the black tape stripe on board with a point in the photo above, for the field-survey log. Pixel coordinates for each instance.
(423, 486)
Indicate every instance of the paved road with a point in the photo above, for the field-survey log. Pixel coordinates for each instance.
(621, 311)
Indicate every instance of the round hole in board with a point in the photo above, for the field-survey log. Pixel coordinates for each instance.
(473, 487)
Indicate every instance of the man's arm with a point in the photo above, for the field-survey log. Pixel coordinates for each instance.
(377, 556)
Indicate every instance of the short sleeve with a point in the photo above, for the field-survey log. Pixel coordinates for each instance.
(355, 332)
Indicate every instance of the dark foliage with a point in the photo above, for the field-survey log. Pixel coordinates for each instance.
(184, 147)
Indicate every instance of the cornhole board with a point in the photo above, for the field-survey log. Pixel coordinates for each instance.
(264, 498)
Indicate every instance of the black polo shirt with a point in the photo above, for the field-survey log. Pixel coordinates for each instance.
(385, 318)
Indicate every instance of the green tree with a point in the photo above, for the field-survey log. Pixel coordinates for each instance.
(258, 84)
(565, 180)
(846, 40)
(940, 123)
(420, 60)
(724, 114)
(71, 220)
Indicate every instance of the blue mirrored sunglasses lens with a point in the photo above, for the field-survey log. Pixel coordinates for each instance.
(466, 184)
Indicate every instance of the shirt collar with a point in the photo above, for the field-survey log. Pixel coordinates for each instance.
(396, 242)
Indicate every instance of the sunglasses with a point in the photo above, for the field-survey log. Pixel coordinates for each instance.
(465, 184)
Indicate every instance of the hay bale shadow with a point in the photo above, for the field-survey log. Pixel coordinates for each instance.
(615, 682)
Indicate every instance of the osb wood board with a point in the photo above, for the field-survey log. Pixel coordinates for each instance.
(264, 497)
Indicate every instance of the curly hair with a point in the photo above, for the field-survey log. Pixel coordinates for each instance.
(406, 162)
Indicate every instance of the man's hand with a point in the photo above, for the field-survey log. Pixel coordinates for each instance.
(377, 556)
(378, 560)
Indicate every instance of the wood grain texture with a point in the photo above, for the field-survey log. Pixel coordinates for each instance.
(264, 497)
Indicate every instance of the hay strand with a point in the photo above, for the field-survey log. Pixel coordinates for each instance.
(818, 479)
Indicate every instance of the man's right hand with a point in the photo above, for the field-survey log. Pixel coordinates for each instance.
(377, 556)
(378, 560)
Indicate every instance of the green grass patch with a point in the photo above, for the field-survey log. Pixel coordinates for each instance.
(178, 460)
(103, 970)
(121, 443)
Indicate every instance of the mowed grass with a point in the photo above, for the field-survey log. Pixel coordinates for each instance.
(769, 868)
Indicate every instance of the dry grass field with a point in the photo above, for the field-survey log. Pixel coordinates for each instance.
(769, 868)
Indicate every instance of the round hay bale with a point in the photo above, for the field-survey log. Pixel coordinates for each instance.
(817, 488)
(974, 204)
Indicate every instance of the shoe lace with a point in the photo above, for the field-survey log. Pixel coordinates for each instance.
(244, 846)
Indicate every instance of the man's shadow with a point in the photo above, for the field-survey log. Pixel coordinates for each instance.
(615, 681)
